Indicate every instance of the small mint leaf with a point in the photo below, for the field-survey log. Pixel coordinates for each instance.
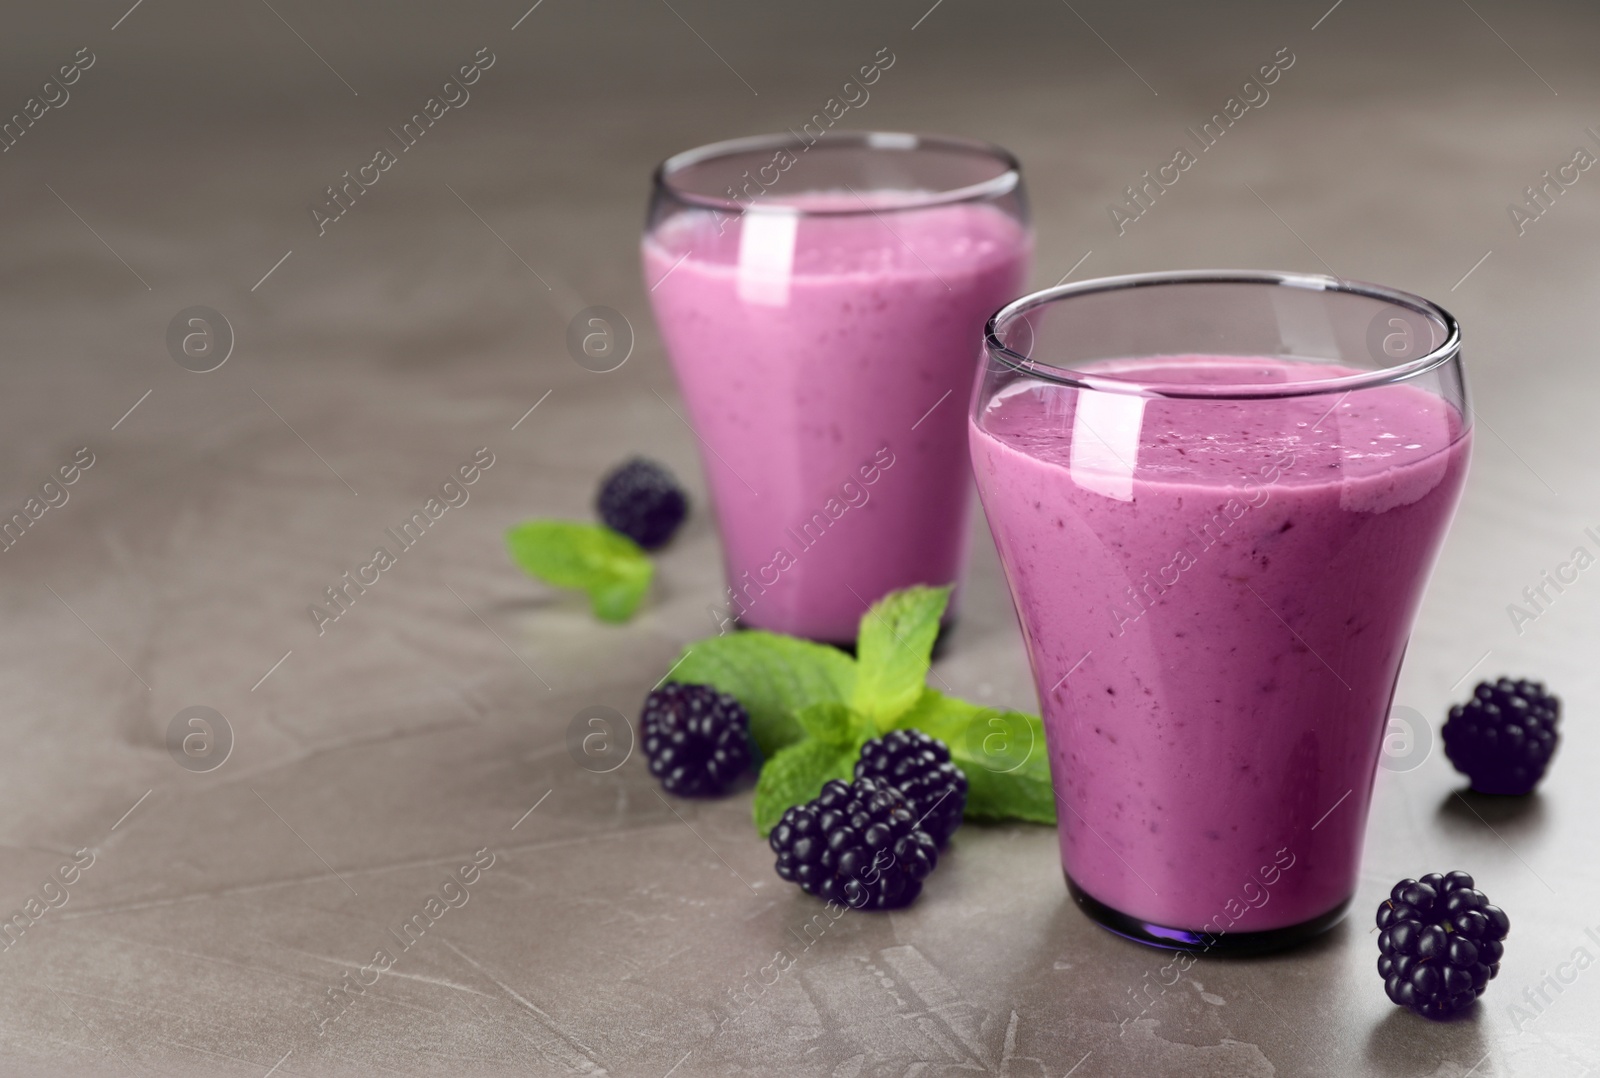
(893, 649)
(613, 569)
(795, 775)
(773, 676)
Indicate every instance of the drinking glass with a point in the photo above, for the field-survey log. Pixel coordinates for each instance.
(1217, 497)
(821, 302)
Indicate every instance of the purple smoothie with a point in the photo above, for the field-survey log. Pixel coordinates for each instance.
(1243, 596)
(825, 362)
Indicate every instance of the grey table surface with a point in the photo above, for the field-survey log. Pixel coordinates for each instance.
(614, 933)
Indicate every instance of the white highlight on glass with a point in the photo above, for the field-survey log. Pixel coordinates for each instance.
(1105, 442)
(766, 256)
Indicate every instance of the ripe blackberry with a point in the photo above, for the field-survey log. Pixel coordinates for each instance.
(857, 844)
(919, 766)
(1503, 738)
(1440, 943)
(643, 501)
(696, 739)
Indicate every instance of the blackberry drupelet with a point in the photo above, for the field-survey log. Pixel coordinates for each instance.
(696, 739)
(919, 766)
(1440, 944)
(1503, 738)
(856, 844)
(643, 501)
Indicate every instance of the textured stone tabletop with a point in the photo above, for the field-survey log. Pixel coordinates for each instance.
(376, 350)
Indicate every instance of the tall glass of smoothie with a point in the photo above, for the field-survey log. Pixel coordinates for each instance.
(1217, 497)
(822, 303)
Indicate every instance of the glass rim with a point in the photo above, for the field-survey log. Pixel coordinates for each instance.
(1445, 352)
(890, 141)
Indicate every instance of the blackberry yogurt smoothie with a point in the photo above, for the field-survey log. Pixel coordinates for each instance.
(824, 337)
(1216, 595)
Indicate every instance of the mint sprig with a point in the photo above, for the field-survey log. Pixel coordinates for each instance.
(612, 569)
(812, 707)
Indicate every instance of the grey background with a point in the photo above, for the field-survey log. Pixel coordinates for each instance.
(613, 928)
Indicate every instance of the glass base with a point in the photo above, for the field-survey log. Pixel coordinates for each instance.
(1186, 939)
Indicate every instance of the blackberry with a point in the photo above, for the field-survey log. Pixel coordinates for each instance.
(1440, 944)
(919, 766)
(696, 739)
(643, 501)
(1503, 738)
(857, 844)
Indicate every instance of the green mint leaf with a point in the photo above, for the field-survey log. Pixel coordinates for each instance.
(1025, 794)
(610, 567)
(835, 723)
(1002, 753)
(773, 676)
(893, 651)
(795, 775)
